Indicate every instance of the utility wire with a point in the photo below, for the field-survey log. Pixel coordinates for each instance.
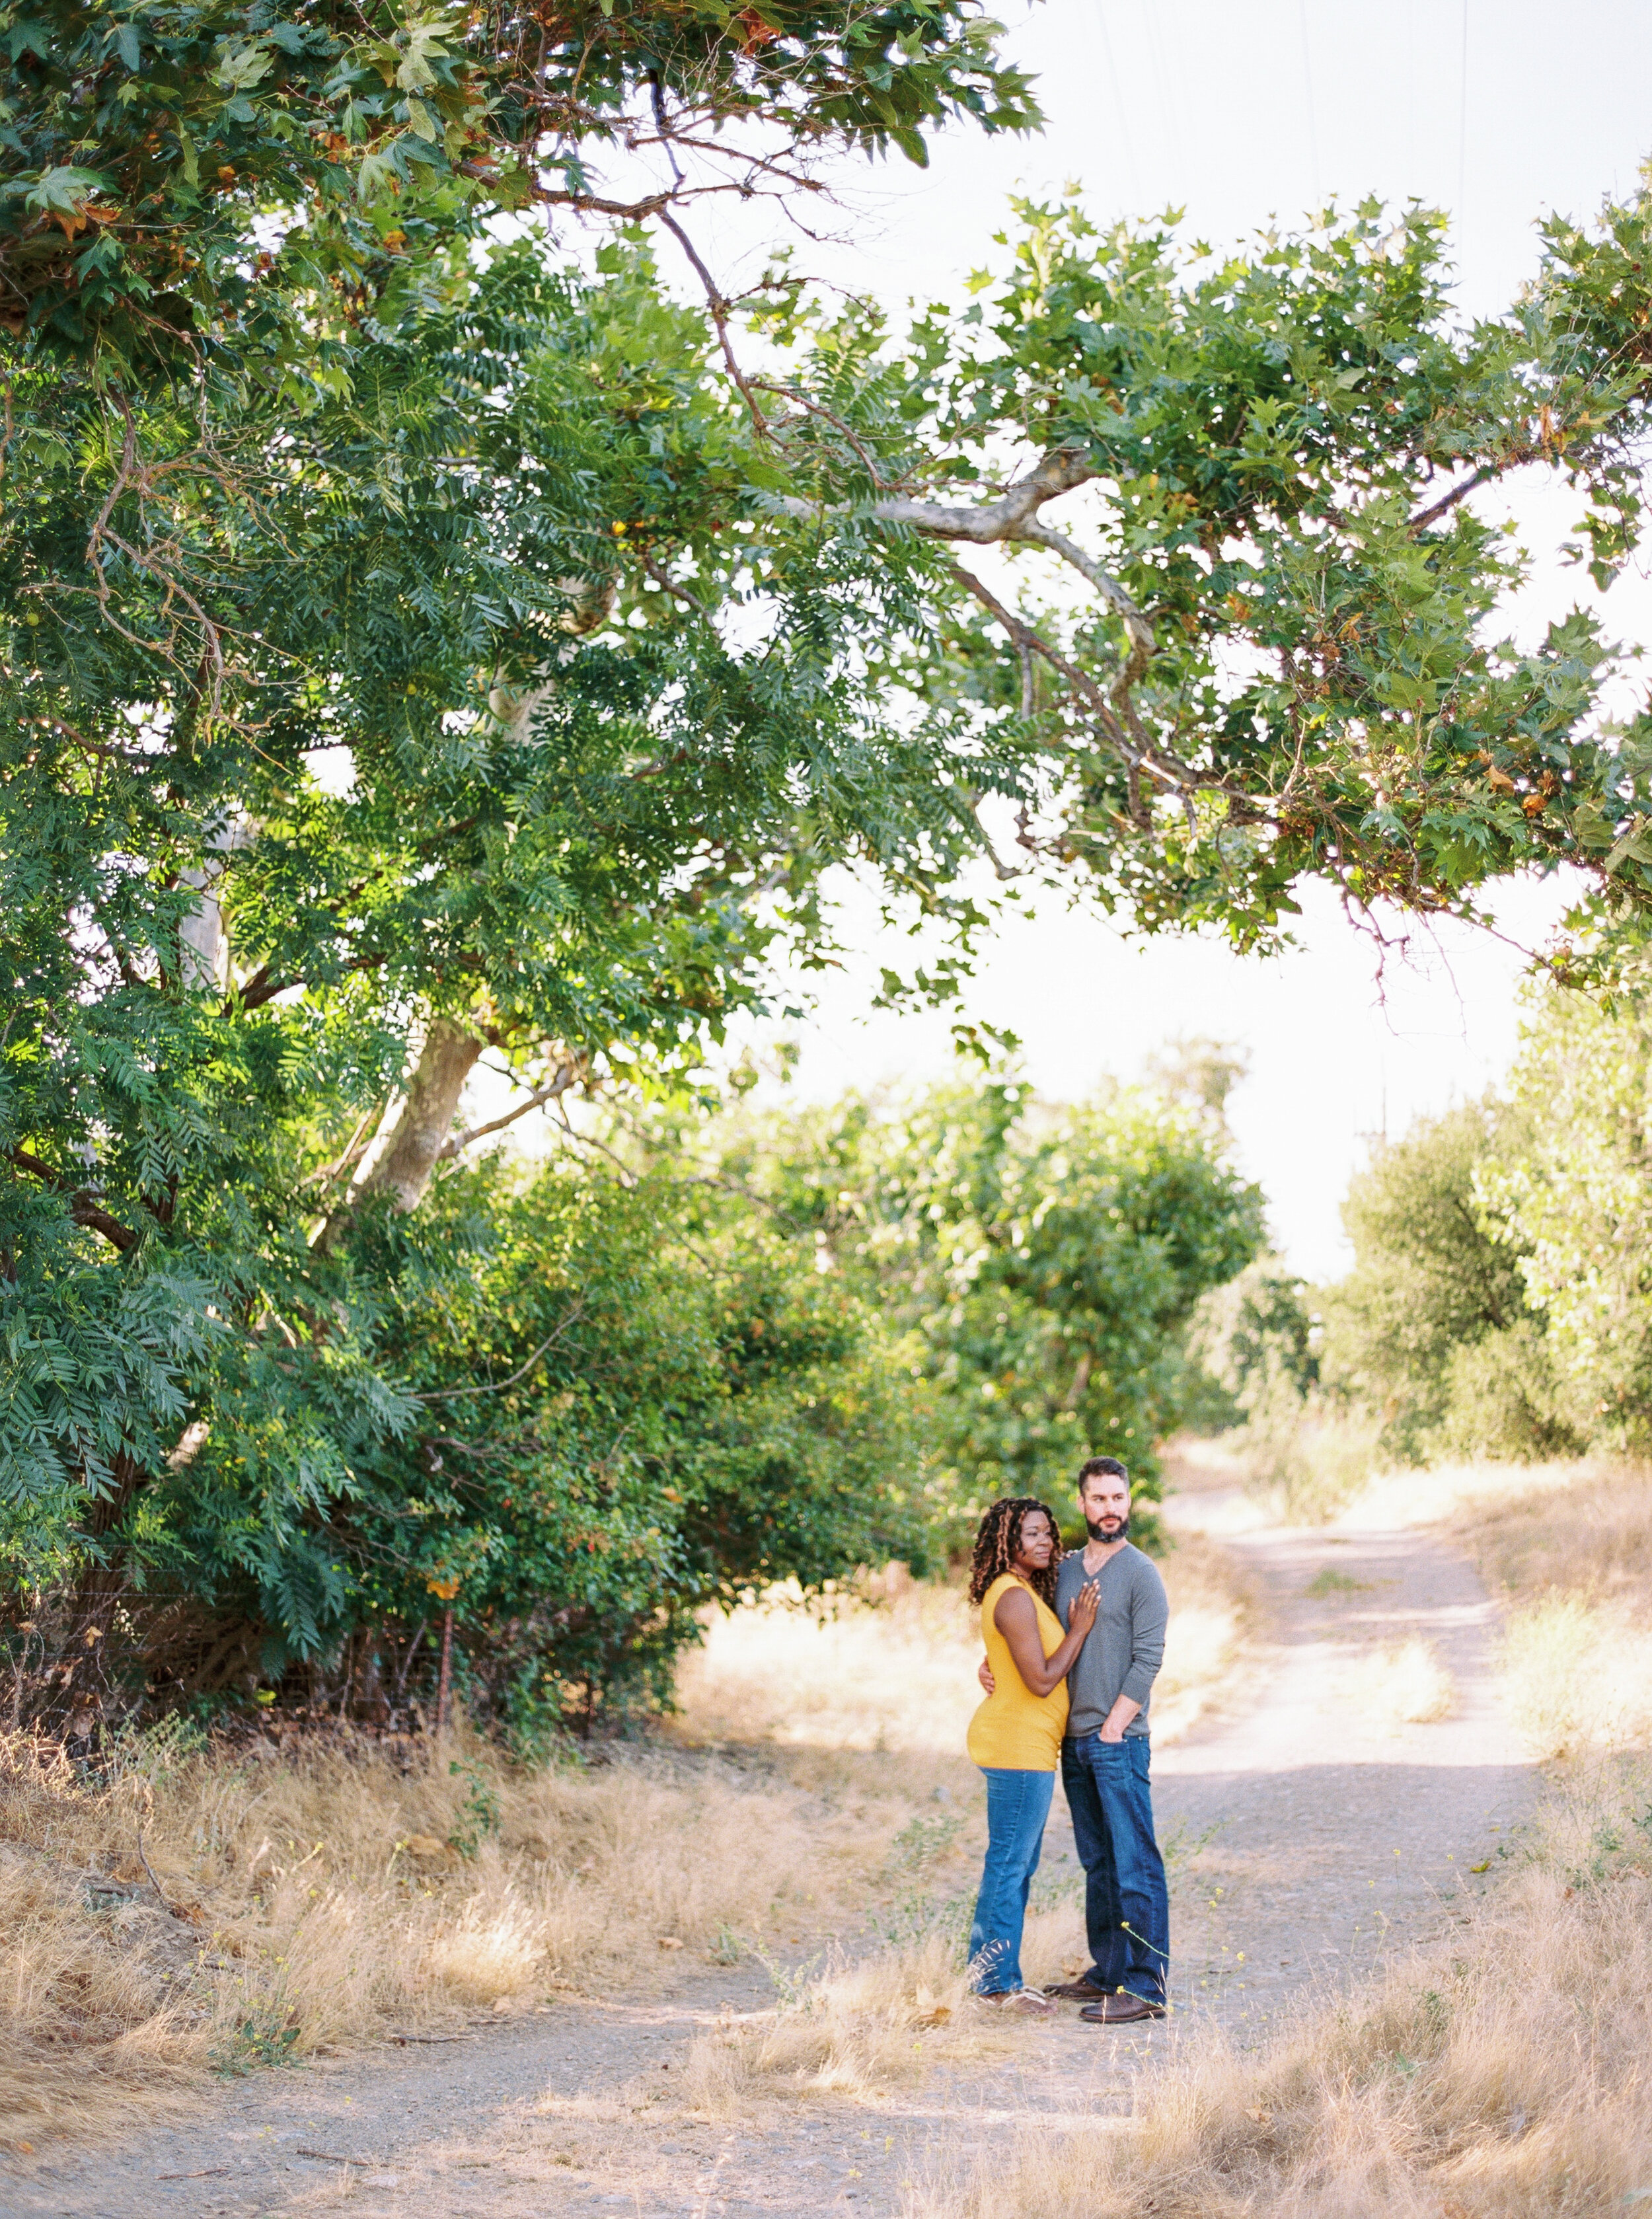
(1307, 88)
(1131, 175)
(1172, 131)
(1463, 129)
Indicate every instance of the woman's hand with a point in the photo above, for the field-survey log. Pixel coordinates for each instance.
(1082, 1616)
(984, 1675)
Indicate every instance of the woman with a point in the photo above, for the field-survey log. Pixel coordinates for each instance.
(1015, 1736)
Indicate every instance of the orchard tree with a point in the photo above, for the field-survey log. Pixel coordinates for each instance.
(1044, 1263)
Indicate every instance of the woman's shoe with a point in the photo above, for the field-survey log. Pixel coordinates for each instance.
(1025, 2003)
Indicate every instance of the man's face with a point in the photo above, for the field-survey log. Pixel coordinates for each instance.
(1104, 1498)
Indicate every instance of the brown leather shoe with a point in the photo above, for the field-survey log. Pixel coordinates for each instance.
(1076, 1992)
(1120, 2010)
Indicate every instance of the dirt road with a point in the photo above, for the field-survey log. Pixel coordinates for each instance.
(1323, 1829)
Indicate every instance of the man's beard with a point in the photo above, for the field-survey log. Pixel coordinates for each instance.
(1097, 1532)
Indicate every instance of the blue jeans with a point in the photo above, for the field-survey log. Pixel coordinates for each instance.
(1126, 1904)
(1017, 1804)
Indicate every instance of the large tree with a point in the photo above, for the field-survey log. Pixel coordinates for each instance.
(183, 179)
(569, 811)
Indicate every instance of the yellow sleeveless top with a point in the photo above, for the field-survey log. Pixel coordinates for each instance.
(1015, 1730)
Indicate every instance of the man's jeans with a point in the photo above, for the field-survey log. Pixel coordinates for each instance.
(1017, 1804)
(1126, 1904)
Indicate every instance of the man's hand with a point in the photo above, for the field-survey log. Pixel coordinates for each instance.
(1112, 1726)
(984, 1675)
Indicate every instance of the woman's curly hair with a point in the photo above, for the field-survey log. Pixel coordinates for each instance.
(996, 1540)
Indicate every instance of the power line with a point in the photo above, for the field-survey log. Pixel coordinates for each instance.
(1307, 88)
(1462, 128)
(1132, 177)
(1167, 109)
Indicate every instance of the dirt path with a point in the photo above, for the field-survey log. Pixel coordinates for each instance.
(1326, 1831)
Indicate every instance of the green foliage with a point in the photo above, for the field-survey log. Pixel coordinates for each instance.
(405, 639)
(622, 1414)
(1256, 1333)
(1433, 1332)
(1287, 658)
(1433, 1275)
(1043, 1266)
(1574, 1194)
(559, 829)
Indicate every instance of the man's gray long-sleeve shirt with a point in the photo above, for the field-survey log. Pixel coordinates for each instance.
(1124, 1649)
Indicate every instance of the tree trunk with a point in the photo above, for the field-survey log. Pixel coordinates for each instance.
(444, 1684)
(427, 1119)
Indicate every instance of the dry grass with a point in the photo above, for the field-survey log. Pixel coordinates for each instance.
(1211, 1612)
(299, 1902)
(1499, 2074)
(301, 1898)
(1571, 1547)
(1401, 1683)
(871, 2024)
(894, 1670)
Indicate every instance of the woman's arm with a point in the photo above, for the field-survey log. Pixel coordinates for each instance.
(1017, 1620)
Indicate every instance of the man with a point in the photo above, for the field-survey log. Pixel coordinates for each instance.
(1104, 1758)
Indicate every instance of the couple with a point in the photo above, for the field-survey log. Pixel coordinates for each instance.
(1073, 1646)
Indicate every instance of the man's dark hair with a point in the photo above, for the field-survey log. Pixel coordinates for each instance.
(1094, 1465)
(996, 1540)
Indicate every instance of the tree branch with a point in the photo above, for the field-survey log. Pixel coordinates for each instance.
(83, 1208)
(567, 1073)
(1058, 472)
(498, 1386)
(1178, 777)
(1447, 502)
(719, 307)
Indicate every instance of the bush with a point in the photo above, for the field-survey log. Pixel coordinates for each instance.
(1437, 1271)
(616, 1407)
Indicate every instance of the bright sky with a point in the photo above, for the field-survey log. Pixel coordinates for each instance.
(1238, 114)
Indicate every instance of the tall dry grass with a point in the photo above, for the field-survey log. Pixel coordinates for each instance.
(892, 1669)
(1498, 2074)
(228, 1910)
(1573, 1552)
